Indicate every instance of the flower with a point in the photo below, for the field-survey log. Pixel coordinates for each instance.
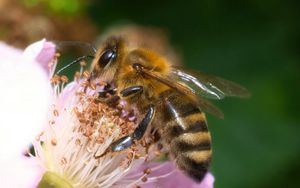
(73, 146)
(24, 100)
(74, 128)
(166, 175)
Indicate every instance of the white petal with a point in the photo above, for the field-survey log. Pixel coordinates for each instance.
(19, 173)
(9, 53)
(24, 101)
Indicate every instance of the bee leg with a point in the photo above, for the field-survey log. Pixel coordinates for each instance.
(138, 133)
(114, 99)
(122, 143)
(142, 127)
(107, 96)
(108, 89)
(118, 145)
(110, 101)
(131, 91)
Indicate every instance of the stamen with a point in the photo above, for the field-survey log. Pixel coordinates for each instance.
(55, 113)
(84, 129)
(82, 65)
(52, 64)
(53, 141)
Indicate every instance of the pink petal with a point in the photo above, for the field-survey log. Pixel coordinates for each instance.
(41, 52)
(176, 179)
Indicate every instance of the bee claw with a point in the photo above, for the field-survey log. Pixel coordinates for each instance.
(108, 150)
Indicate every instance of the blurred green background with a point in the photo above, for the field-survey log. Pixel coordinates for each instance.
(255, 43)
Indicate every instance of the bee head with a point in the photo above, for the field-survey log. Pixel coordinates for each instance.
(107, 59)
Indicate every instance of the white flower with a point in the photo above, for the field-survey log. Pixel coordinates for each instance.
(79, 129)
(74, 131)
(24, 103)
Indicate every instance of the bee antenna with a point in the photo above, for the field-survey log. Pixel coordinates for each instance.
(78, 60)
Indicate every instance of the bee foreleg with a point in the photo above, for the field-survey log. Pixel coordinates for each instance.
(107, 95)
(138, 133)
(131, 91)
(111, 101)
(108, 89)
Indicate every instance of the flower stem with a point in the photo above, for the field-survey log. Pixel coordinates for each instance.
(52, 180)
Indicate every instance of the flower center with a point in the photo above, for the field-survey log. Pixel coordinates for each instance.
(52, 180)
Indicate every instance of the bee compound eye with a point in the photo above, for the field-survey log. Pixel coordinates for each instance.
(106, 57)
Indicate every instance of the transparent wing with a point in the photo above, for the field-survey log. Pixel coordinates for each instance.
(203, 104)
(209, 86)
(207, 106)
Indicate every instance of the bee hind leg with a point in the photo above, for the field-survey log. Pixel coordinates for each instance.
(142, 127)
(138, 133)
(127, 141)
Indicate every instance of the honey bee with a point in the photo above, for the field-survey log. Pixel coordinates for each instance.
(169, 99)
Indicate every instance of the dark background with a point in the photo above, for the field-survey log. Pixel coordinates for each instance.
(255, 43)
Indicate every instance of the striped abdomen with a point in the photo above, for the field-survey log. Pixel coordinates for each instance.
(187, 134)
